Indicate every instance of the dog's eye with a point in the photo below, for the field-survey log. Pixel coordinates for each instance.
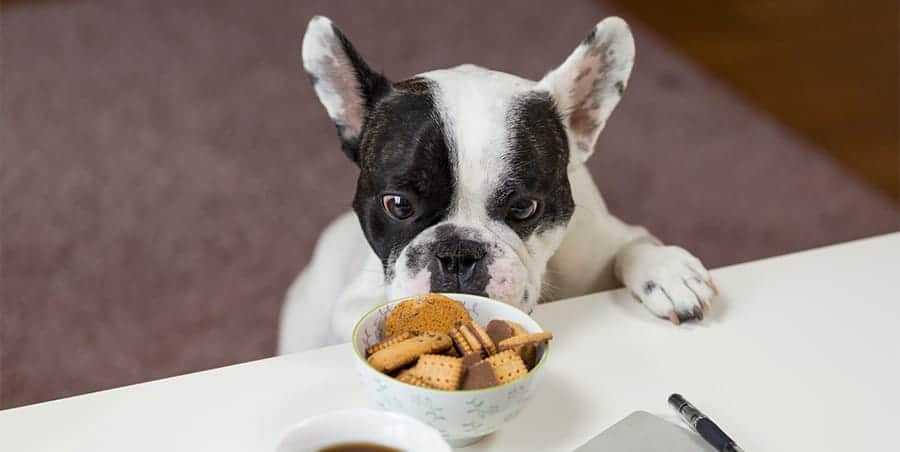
(398, 206)
(522, 209)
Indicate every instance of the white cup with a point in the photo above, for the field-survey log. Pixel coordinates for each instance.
(359, 425)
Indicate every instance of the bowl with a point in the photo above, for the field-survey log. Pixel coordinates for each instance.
(368, 426)
(464, 416)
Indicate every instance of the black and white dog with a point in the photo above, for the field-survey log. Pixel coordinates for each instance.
(474, 181)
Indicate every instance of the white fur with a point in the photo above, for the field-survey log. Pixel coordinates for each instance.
(474, 102)
(596, 251)
(337, 87)
(587, 82)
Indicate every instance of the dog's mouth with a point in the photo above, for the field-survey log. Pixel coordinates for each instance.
(465, 260)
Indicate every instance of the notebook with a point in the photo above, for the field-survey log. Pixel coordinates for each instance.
(643, 432)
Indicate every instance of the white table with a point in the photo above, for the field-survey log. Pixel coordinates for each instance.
(802, 352)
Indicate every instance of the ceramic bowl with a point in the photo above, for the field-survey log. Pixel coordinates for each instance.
(462, 417)
(359, 425)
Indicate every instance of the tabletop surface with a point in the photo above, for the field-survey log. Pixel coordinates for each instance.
(801, 352)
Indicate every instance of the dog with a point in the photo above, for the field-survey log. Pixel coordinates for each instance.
(474, 181)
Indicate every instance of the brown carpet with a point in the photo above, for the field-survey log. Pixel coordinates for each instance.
(166, 169)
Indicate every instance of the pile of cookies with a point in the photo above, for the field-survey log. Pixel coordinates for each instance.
(432, 342)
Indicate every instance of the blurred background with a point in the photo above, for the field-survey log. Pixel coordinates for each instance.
(166, 168)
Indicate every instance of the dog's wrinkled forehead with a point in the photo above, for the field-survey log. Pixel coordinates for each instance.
(468, 131)
(475, 105)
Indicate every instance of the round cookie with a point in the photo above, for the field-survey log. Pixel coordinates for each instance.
(431, 312)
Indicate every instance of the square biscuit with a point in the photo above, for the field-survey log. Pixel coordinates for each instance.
(439, 371)
(479, 376)
(411, 379)
(507, 366)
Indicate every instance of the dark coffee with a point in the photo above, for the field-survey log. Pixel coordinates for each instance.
(359, 447)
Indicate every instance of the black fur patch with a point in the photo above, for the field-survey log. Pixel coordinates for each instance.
(402, 151)
(590, 37)
(373, 86)
(537, 166)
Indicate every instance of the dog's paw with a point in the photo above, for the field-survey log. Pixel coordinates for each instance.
(669, 281)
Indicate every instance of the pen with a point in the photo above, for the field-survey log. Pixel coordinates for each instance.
(703, 425)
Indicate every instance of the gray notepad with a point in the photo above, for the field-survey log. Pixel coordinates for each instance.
(643, 432)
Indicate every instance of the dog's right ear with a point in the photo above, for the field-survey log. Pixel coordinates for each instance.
(343, 81)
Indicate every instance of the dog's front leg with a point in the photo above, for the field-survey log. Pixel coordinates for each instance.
(668, 280)
(364, 293)
(325, 302)
(601, 251)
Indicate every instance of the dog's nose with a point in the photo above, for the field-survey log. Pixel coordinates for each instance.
(460, 258)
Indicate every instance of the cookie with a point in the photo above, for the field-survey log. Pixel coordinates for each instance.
(431, 312)
(482, 337)
(405, 352)
(480, 376)
(460, 343)
(411, 379)
(499, 330)
(469, 335)
(525, 339)
(507, 366)
(439, 371)
(517, 328)
(470, 359)
(395, 339)
(527, 352)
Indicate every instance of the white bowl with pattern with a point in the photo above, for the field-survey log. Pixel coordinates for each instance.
(462, 417)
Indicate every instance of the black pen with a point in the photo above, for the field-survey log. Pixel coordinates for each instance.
(703, 425)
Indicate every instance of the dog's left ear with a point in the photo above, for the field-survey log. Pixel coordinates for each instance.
(588, 85)
(343, 81)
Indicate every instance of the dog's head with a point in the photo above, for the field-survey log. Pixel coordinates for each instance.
(463, 183)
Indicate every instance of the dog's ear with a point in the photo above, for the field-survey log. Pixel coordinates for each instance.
(345, 84)
(588, 85)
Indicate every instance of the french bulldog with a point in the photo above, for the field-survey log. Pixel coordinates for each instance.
(474, 181)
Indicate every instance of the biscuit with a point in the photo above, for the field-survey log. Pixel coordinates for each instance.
(525, 339)
(499, 330)
(470, 337)
(405, 352)
(480, 376)
(507, 366)
(528, 354)
(470, 359)
(462, 345)
(439, 371)
(517, 328)
(411, 379)
(431, 312)
(482, 336)
(395, 339)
